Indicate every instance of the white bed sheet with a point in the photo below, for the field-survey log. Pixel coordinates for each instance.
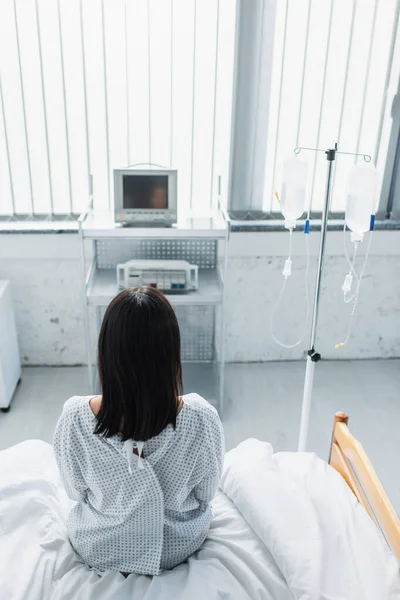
(322, 540)
(38, 563)
(276, 535)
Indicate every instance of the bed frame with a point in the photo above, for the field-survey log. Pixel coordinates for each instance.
(349, 458)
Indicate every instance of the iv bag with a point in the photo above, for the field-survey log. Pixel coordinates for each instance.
(293, 192)
(361, 197)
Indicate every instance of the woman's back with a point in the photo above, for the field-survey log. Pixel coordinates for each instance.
(139, 513)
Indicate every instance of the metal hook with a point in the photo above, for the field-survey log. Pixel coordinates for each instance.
(366, 157)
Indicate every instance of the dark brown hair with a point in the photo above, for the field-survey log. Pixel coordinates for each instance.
(139, 360)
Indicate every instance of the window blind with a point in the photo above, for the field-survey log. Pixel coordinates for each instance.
(91, 85)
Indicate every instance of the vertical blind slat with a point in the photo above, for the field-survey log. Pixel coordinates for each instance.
(214, 107)
(88, 165)
(10, 176)
(65, 108)
(321, 106)
(149, 74)
(193, 102)
(346, 78)
(46, 127)
(171, 102)
(257, 103)
(28, 158)
(271, 191)
(128, 128)
(366, 80)
(103, 31)
(303, 72)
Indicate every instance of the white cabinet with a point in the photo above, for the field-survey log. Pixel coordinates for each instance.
(10, 364)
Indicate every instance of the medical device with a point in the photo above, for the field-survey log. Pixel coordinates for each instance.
(293, 203)
(10, 364)
(360, 203)
(145, 197)
(293, 191)
(172, 276)
(360, 218)
(361, 199)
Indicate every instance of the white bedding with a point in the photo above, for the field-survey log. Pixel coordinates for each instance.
(285, 527)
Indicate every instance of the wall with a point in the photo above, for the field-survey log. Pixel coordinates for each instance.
(45, 273)
(255, 280)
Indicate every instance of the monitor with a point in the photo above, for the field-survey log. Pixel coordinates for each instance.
(145, 197)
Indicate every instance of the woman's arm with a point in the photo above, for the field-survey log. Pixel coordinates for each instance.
(64, 447)
(211, 460)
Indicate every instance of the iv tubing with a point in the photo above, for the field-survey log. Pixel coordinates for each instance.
(351, 263)
(352, 272)
(356, 294)
(276, 306)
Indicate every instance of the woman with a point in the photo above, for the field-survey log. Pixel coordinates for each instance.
(142, 461)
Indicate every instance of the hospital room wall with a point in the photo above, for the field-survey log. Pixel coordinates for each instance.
(45, 274)
(255, 280)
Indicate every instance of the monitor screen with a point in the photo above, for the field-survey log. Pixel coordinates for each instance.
(148, 192)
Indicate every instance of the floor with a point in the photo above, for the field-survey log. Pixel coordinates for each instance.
(261, 400)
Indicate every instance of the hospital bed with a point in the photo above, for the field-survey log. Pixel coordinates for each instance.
(286, 526)
(349, 458)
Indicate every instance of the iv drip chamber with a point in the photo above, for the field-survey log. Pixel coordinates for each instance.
(293, 191)
(361, 196)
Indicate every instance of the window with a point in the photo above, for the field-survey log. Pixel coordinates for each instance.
(336, 68)
(88, 85)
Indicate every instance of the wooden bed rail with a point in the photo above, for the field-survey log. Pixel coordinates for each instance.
(349, 458)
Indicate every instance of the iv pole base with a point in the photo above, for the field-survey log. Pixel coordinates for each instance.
(305, 411)
(312, 358)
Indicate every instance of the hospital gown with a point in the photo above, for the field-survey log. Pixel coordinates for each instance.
(139, 514)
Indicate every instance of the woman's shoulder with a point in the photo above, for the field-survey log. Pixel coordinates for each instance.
(74, 411)
(75, 404)
(72, 419)
(203, 422)
(201, 408)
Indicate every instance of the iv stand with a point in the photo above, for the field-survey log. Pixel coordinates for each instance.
(312, 356)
